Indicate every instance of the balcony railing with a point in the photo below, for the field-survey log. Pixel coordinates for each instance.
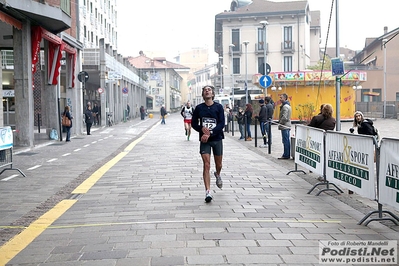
(287, 47)
(259, 48)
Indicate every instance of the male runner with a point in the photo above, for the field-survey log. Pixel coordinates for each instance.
(187, 114)
(208, 120)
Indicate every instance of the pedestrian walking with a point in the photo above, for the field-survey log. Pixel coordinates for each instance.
(68, 126)
(248, 116)
(88, 119)
(284, 124)
(208, 120)
(241, 122)
(187, 114)
(142, 112)
(163, 114)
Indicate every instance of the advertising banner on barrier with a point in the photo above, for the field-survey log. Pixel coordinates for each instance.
(6, 138)
(309, 148)
(350, 162)
(389, 173)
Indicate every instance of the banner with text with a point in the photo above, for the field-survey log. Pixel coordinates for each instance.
(389, 173)
(309, 148)
(350, 162)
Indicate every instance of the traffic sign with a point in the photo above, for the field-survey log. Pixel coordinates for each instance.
(265, 81)
(337, 67)
(83, 76)
(100, 90)
(268, 69)
(125, 90)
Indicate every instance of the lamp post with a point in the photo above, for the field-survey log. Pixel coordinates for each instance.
(384, 42)
(246, 71)
(355, 88)
(264, 24)
(221, 73)
(232, 72)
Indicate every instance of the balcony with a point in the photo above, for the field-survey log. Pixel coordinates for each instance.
(259, 48)
(288, 47)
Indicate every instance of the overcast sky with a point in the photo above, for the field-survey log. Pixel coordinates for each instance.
(170, 26)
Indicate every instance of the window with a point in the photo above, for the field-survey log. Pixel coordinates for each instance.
(377, 98)
(235, 39)
(397, 96)
(66, 6)
(236, 66)
(287, 63)
(261, 40)
(288, 37)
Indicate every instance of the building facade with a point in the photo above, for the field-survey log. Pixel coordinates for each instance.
(285, 35)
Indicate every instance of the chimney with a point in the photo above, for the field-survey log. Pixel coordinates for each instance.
(385, 30)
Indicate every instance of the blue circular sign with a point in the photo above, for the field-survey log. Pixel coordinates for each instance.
(265, 81)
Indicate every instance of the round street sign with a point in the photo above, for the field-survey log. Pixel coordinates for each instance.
(265, 81)
(125, 90)
(100, 90)
(83, 76)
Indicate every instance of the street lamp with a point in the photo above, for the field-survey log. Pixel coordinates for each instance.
(232, 72)
(246, 71)
(355, 88)
(264, 24)
(221, 72)
(384, 42)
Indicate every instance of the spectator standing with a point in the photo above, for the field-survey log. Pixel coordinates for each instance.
(227, 118)
(96, 114)
(284, 124)
(269, 114)
(248, 116)
(241, 122)
(67, 113)
(88, 119)
(262, 117)
(142, 112)
(324, 120)
(208, 120)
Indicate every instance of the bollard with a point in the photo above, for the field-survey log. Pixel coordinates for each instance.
(269, 136)
(256, 132)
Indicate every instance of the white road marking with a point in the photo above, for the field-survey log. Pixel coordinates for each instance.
(52, 160)
(34, 167)
(8, 178)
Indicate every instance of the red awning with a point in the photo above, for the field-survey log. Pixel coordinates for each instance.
(56, 46)
(10, 20)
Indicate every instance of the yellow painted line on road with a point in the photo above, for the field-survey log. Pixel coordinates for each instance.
(10, 249)
(89, 182)
(22, 240)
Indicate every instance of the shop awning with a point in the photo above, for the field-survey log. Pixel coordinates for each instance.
(10, 20)
(56, 46)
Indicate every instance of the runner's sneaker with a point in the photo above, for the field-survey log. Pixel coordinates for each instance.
(262, 146)
(219, 181)
(208, 196)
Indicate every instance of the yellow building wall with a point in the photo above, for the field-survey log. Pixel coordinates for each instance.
(307, 90)
(302, 98)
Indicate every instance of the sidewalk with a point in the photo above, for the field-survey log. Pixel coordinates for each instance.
(143, 203)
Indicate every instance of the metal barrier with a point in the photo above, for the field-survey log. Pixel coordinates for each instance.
(6, 146)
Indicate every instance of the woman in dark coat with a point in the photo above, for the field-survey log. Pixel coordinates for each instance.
(68, 115)
(324, 120)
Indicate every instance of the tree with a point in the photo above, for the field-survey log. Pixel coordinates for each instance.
(319, 66)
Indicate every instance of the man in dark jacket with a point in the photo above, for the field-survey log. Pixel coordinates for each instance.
(88, 119)
(262, 117)
(163, 114)
(269, 114)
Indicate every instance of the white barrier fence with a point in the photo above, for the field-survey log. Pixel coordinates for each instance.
(350, 161)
